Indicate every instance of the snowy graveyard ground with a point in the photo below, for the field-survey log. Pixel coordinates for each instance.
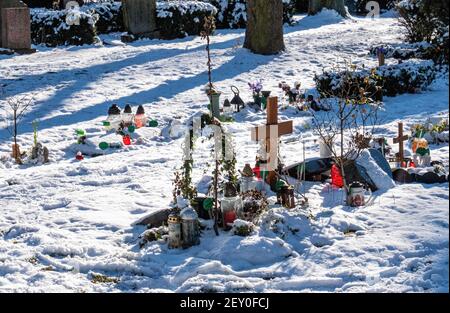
(66, 223)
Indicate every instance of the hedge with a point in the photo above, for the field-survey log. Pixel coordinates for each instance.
(411, 76)
(179, 19)
(49, 27)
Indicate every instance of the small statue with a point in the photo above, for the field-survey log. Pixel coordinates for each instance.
(421, 152)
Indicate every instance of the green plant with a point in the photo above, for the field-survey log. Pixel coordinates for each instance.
(35, 132)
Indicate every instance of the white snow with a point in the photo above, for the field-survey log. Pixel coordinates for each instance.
(65, 220)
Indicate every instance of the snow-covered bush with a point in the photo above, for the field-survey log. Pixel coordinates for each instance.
(110, 17)
(233, 13)
(242, 228)
(177, 19)
(359, 6)
(39, 3)
(407, 77)
(427, 20)
(49, 27)
(405, 51)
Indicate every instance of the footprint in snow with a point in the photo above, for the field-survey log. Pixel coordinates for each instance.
(61, 203)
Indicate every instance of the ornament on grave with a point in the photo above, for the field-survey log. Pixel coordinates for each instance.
(247, 181)
(114, 118)
(227, 108)
(81, 136)
(285, 194)
(237, 100)
(15, 26)
(401, 150)
(336, 177)
(230, 205)
(421, 150)
(153, 123)
(139, 17)
(127, 116)
(264, 98)
(356, 197)
(190, 232)
(140, 120)
(126, 140)
(269, 135)
(174, 225)
(79, 156)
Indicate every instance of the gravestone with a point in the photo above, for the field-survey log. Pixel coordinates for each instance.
(15, 26)
(139, 17)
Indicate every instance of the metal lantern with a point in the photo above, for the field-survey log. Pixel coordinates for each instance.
(237, 100)
(190, 232)
(287, 197)
(174, 223)
(127, 116)
(140, 120)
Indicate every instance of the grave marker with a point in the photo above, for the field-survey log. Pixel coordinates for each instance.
(139, 17)
(400, 139)
(15, 29)
(269, 135)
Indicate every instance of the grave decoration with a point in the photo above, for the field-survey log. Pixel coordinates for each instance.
(230, 204)
(382, 145)
(285, 194)
(357, 192)
(227, 108)
(242, 228)
(269, 135)
(38, 153)
(293, 94)
(81, 136)
(174, 222)
(237, 100)
(400, 156)
(79, 156)
(254, 203)
(421, 153)
(247, 181)
(256, 88)
(434, 130)
(190, 231)
(140, 119)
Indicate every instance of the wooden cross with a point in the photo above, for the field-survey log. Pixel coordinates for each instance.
(400, 139)
(268, 134)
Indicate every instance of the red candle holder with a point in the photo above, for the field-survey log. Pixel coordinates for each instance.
(126, 140)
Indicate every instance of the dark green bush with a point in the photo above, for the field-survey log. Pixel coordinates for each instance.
(181, 19)
(358, 7)
(110, 17)
(427, 20)
(49, 27)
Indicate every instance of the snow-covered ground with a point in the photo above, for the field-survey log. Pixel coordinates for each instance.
(63, 222)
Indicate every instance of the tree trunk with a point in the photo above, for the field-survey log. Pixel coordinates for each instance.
(315, 6)
(264, 34)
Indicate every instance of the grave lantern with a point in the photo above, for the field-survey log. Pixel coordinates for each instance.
(247, 181)
(127, 116)
(190, 232)
(140, 120)
(126, 140)
(174, 223)
(237, 100)
(230, 205)
(357, 195)
(227, 108)
(114, 118)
